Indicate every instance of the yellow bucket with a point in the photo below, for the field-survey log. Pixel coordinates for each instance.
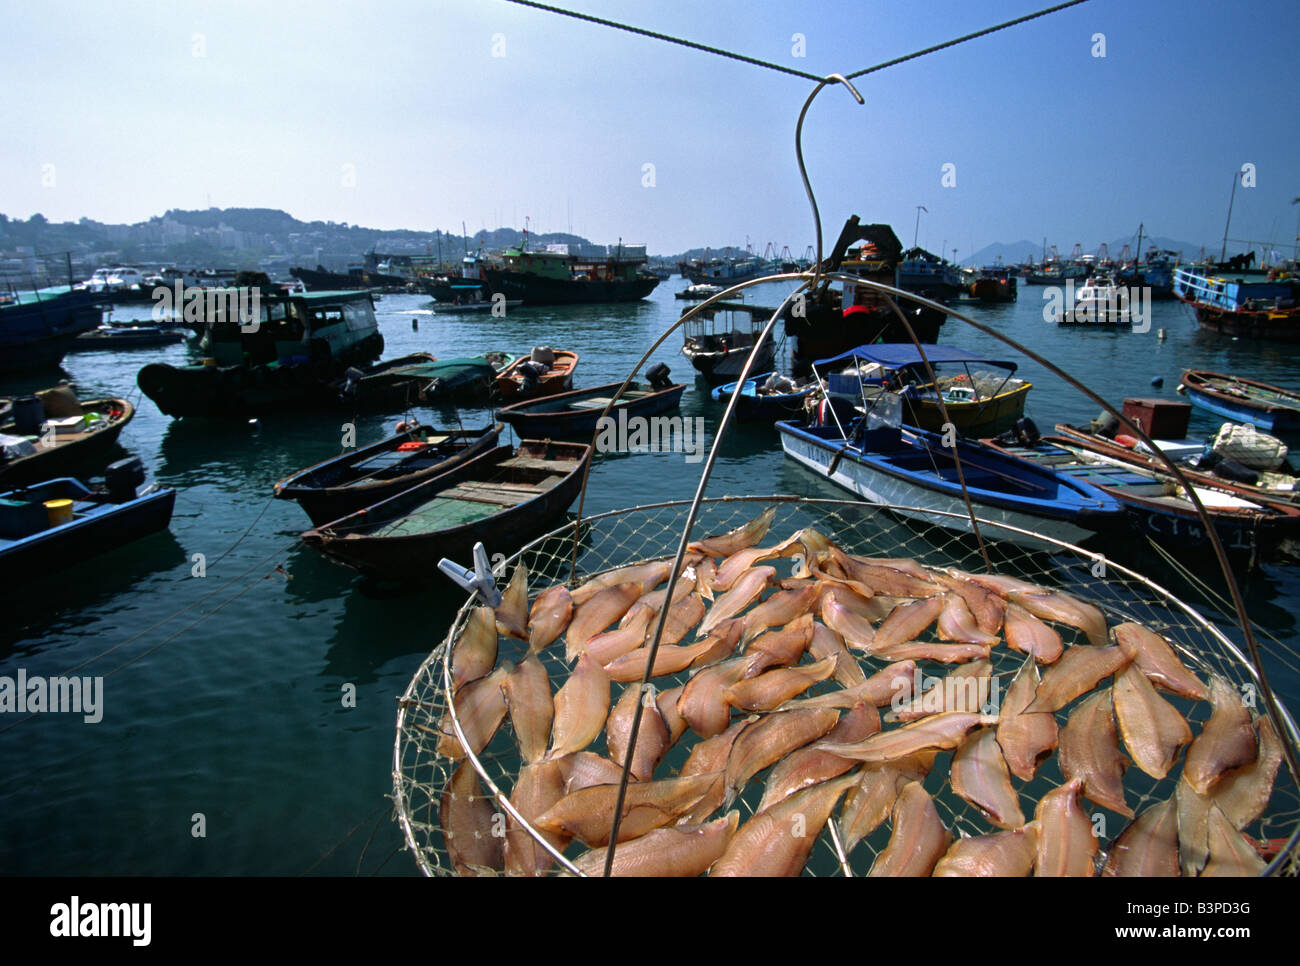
(59, 511)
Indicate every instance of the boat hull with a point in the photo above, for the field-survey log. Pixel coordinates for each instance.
(38, 334)
(865, 479)
(719, 366)
(557, 417)
(1270, 418)
(538, 290)
(86, 455)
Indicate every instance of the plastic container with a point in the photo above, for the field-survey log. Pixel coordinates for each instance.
(59, 511)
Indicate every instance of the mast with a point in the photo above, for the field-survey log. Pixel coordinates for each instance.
(1223, 253)
(1137, 255)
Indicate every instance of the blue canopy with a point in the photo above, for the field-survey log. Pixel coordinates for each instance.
(899, 355)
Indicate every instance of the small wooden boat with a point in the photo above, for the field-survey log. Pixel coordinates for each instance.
(978, 402)
(396, 384)
(544, 372)
(502, 498)
(571, 415)
(913, 468)
(761, 402)
(1158, 506)
(1269, 408)
(53, 434)
(126, 337)
(345, 484)
(46, 527)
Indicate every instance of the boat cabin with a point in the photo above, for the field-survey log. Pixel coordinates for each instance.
(288, 328)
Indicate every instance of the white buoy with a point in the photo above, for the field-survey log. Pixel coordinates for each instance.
(1161, 334)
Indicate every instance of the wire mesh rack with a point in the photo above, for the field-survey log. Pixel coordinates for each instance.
(423, 777)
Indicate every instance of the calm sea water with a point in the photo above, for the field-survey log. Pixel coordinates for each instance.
(223, 696)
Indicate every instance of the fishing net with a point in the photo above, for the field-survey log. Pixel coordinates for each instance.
(933, 538)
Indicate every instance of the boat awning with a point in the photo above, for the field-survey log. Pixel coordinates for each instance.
(900, 355)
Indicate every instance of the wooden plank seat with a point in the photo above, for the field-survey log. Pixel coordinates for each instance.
(532, 463)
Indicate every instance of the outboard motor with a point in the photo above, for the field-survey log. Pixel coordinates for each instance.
(29, 413)
(1027, 433)
(657, 376)
(123, 479)
(531, 374)
(1105, 425)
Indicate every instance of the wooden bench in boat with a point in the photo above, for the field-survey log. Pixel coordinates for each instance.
(532, 463)
(505, 494)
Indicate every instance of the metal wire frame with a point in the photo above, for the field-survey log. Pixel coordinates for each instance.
(407, 727)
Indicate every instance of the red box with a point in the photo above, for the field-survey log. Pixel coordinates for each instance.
(1159, 418)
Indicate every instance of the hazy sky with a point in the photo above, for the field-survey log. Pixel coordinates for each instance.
(400, 115)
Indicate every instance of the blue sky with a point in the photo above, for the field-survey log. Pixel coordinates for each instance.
(1046, 139)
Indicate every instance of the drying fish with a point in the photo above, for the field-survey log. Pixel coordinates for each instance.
(871, 800)
(853, 627)
(682, 850)
(897, 578)
(468, 820)
(706, 571)
(1226, 741)
(747, 588)
(666, 702)
(938, 731)
(586, 815)
(779, 648)
(701, 702)
(480, 708)
(1090, 752)
(808, 766)
(905, 623)
(584, 769)
(919, 838)
(1152, 653)
(512, 612)
(549, 616)
(803, 545)
(683, 614)
(731, 569)
(771, 739)
(1056, 605)
(778, 610)
(957, 623)
(1066, 843)
(538, 787)
(1076, 673)
(825, 571)
(1230, 853)
(651, 740)
(475, 654)
(1244, 792)
(1153, 729)
(979, 775)
(646, 576)
(710, 755)
(611, 645)
(596, 613)
(580, 708)
(932, 651)
(654, 600)
(826, 643)
(968, 688)
(1009, 854)
(1193, 828)
(778, 841)
(1027, 634)
(1025, 738)
(999, 584)
(669, 659)
(888, 686)
(528, 698)
(771, 688)
(1149, 846)
(728, 543)
(987, 606)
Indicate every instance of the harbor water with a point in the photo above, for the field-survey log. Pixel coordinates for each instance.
(249, 684)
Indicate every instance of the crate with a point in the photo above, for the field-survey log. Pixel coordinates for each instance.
(1159, 418)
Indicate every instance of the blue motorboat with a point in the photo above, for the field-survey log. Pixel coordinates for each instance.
(46, 527)
(37, 328)
(914, 471)
(762, 401)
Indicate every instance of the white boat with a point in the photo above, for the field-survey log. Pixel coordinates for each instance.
(720, 339)
(1099, 301)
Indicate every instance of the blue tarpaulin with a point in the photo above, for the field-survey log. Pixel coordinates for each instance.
(899, 355)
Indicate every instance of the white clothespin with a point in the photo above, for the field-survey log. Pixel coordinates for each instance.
(479, 580)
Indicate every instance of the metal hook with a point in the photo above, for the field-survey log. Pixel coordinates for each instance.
(803, 170)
